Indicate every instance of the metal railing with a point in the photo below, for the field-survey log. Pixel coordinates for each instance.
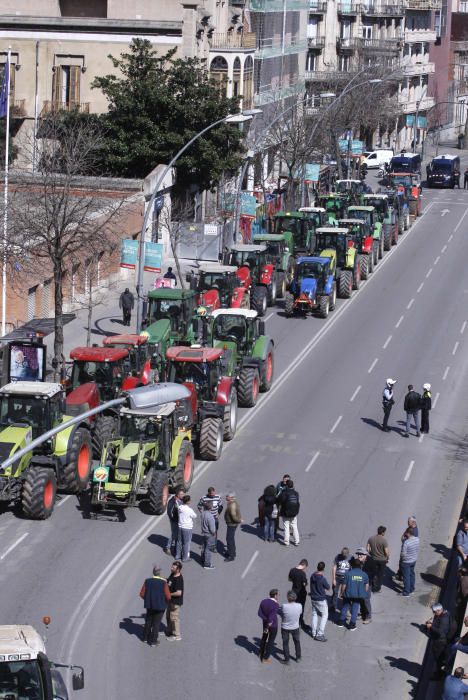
(424, 4)
(231, 40)
(317, 7)
(18, 108)
(348, 43)
(316, 42)
(383, 10)
(52, 106)
(348, 8)
(382, 45)
(327, 76)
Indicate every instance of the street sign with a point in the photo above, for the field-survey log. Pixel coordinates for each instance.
(128, 254)
(343, 145)
(101, 474)
(357, 147)
(158, 203)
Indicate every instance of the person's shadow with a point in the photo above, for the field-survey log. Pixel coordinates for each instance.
(375, 424)
(132, 627)
(251, 646)
(412, 668)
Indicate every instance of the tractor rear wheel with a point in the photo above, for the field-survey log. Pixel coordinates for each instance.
(76, 473)
(272, 291)
(183, 474)
(381, 248)
(324, 306)
(104, 430)
(267, 371)
(39, 491)
(375, 252)
(364, 267)
(333, 297)
(370, 262)
(211, 439)
(288, 304)
(259, 300)
(387, 240)
(249, 384)
(230, 417)
(346, 284)
(158, 492)
(357, 274)
(281, 286)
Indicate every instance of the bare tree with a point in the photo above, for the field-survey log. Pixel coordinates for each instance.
(55, 218)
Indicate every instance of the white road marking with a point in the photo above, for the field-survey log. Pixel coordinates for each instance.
(447, 370)
(15, 544)
(421, 438)
(450, 238)
(88, 602)
(355, 393)
(409, 470)
(437, 260)
(63, 500)
(312, 461)
(420, 287)
(384, 346)
(269, 316)
(397, 324)
(249, 565)
(336, 424)
(462, 329)
(436, 399)
(455, 348)
(429, 273)
(444, 249)
(372, 365)
(215, 660)
(460, 222)
(410, 304)
(444, 212)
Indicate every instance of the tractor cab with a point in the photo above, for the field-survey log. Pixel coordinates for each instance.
(249, 259)
(300, 225)
(358, 229)
(279, 252)
(380, 202)
(352, 189)
(217, 285)
(139, 360)
(367, 213)
(198, 368)
(334, 242)
(238, 328)
(313, 268)
(335, 207)
(313, 287)
(104, 367)
(35, 406)
(174, 305)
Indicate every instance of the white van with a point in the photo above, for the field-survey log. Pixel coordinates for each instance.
(377, 159)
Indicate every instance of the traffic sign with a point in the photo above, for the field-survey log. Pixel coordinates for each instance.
(101, 474)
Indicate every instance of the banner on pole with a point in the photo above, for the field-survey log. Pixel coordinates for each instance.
(312, 172)
(248, 205)
(128, 254)
(153, 257)
(5, 89)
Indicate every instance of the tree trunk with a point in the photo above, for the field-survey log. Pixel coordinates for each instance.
(176, 259)
(58, 359)
(90, 314)
(337, 156)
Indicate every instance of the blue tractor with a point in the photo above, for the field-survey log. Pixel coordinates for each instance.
(313, 288)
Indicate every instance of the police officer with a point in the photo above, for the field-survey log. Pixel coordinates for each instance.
(426, 405)
(387, 403)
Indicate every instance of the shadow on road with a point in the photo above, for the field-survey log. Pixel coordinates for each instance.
(375, 424)
(442, 549)
(133, 628)
(158, 540)
(252, 530)
(97, 330)
(251, 646)
(456, 443)
(410, 667)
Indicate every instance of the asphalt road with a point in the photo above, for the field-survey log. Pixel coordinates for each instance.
(319, 423)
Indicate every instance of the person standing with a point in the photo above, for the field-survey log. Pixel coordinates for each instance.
(175, 584)
(217, 506)
(355, 590)
(156, 595)
(290, 614)
(269, 512)
(298, 578)
(126, 303)
(387, 403)
(170, 275)
(461, 542)
(233, 519)
(289, 505)
(341, 565)
(268, 612)
(456, 177)
(186, 517)
(441, 631)
(409, 556)
(173, 514)
(426, 405)
(412, 406)
(318, 596)
(208, 531)
(377, 546)
(454, 688)
(368, 566)
(465, 179)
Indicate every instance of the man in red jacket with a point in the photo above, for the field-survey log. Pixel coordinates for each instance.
(156, 595)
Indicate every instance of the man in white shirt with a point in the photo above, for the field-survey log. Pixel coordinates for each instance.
(387, 403)
(290, 614)
(186, 517)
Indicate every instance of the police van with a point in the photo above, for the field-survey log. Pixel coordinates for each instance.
(443, 171)
(406, 163)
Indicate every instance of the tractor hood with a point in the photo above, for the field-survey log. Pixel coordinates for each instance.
(159, 331)
(309, 287)
(129, 451)
(13, 438)
(82, 398)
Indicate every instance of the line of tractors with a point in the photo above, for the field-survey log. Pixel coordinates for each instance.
(203, 352)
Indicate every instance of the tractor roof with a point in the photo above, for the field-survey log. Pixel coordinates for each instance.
(361, 208)
(269, 237)
(248, 248)
(194, 354)
(47, 389)
(171, 294)
(377, 195)
(331, 229)
(358, 182)
(312, 210)
(153, 395)
(354, 222)
(98, 354)
(289, 214)
(125, 339)
(313, 259)
(20, 642)
(216, 267)
(246, 313)
(164, 409)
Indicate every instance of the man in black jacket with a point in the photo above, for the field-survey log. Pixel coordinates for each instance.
(156, 595)
(426, 405)
(412, 407)
(441, 631)
(173, 514)
(288, 502)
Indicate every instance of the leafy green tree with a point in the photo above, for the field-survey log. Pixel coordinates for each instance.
(156, 104)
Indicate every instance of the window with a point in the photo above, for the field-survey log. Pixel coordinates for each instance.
(236, 78)
(345, 29)
(46, 297)
(312, 28)
(343, 64)
(83, 8)
(219, 73)
(247, 92)
(311, 61)
(66, 87)
(367, 31)
(32, 302)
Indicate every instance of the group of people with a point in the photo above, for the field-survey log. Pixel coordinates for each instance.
(275, 501)
(414, 404)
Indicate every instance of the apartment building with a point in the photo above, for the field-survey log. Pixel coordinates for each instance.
(345, 37)
(457, 74)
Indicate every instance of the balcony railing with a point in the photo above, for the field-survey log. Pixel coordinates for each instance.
(383, 10)
(417, 68)
(18, 108)
(348, 8)
(392, 45)
(52, 106)
(228, 41)
(317, 8)
(348, 43)
(277, 5)
(316, 42)
(424, 5)
(327, 76)
(459, 45)
(417, 35)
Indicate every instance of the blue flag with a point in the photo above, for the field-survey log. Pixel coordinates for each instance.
(4, 90)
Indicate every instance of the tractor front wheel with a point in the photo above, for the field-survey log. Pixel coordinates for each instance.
(364, 267)
(387, 240)
(184, 470)
(39, 491)
(272, 291)
(76, 472)
(211, 439)
(333, 297)
(324, 306)
(288, 304)
(346, 284)
(104, 430)
(281, 286)
(249, 384)
(267, 371)
(370, 262)
(357, 274)
(158, 492)
(375, 252)
(259, 300)
(230, 417)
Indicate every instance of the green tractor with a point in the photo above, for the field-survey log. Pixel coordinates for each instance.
(301, 226)
(370, 215)
(27, 410)
(338, 243)
(335, 206)
(154, 453)
(248, 352)
(279, 247)
(388, 214)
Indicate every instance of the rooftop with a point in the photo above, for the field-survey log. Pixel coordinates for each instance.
(32, 388)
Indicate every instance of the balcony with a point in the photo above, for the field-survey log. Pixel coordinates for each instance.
(459, 45)
(267, 95)
(413, 36)
(317, 8)
(348, 8)
(278, 5)
(412, 69)
(348, 44)
(18, 108)
(391, 46)
(328, 76)
(383, 10)
(51, 107)
(410, 105)
(230, 41)
(270, 47)
(316, 42)
(424, 5)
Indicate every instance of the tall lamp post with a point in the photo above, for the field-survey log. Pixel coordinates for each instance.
(230, 119)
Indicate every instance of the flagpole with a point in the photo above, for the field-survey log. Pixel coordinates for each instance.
(5, 194)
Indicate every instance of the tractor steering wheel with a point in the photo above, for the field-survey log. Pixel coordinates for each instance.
(231, 337)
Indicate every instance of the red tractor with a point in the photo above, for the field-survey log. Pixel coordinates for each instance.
(140, 363)
(255, 273)
(219, 287)
(97, 376)
(214, 395)
(364, 242)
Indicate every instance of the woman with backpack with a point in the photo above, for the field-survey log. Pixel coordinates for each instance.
(268, 512)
